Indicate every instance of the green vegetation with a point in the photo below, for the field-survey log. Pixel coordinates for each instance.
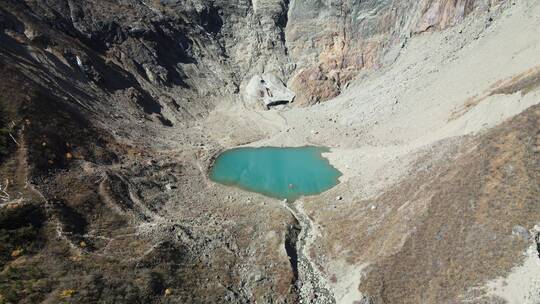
(21, 235)
(23, 282)
(4, 136)
(20, 231)
(6, 116)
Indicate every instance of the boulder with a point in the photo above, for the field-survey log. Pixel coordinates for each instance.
(267, 90)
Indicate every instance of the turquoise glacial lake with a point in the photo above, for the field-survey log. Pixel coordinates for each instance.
(276, 172)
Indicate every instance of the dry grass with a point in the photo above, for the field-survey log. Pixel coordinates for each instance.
(448, 227)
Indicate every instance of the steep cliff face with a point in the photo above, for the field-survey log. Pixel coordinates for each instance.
(331, 41)
(207, 48)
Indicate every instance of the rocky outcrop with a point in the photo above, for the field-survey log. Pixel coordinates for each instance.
(201, 48)
(267, 90)
(332, 41)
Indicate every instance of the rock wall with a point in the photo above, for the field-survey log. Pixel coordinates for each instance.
(199, 48)
(331, 41)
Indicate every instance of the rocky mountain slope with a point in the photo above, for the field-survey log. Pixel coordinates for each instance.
(111, 113)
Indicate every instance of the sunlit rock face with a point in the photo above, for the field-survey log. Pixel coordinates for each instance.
(330, 41)
(203, 48)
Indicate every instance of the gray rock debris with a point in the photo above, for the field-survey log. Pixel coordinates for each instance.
(521, 232)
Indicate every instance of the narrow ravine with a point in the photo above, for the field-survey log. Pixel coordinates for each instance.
(310, 283)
